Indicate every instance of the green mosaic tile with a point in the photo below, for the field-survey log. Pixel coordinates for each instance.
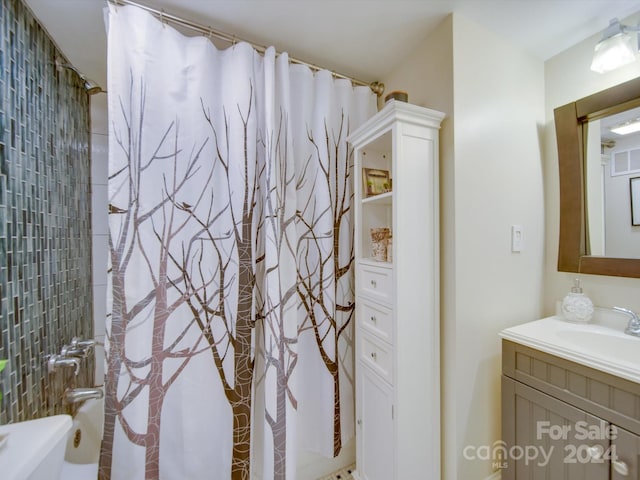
(45, 233)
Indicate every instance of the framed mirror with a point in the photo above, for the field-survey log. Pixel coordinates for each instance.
(583, 220)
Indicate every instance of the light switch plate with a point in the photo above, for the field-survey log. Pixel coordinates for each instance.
(516, 238)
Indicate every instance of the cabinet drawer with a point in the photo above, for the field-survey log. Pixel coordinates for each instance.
(375, 282)
(378, 356)
(376, 319)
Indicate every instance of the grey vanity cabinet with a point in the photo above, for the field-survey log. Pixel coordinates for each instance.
(564, 421)
(627, 464)
(545, 430)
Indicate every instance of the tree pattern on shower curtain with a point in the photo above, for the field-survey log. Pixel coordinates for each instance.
(230, 242)
(326, 257)
(197, 270)
(147, 375)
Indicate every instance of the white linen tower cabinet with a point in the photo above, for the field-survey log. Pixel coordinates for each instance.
(397, 296)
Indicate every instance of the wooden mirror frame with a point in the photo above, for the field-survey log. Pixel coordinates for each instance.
(569, 120)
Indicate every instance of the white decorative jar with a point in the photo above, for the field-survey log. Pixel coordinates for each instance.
(576, 306)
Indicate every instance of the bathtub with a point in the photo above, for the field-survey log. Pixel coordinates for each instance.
(83, 447)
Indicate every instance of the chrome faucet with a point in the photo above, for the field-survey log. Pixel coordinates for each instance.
(78, 348)
(75, 395)
(633, 328)
(55, 361)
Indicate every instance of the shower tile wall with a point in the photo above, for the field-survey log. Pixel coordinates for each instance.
(45, 219)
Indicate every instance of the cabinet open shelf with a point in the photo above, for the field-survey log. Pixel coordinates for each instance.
(382, 199)
(376, 263)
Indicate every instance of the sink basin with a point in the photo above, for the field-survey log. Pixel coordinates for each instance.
(600, 344)
(625, 348)
(34, 450)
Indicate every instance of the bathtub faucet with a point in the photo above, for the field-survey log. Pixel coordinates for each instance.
(76, 395)
(56, 361)
(78, 348)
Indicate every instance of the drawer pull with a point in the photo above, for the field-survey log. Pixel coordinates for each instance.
(374, 355)
(620, 467)
(373, 283)
(595, 452)
(373, 319)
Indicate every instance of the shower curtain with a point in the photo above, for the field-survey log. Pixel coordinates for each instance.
(229, 336)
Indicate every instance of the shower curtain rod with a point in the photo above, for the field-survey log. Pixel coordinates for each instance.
(376, 87)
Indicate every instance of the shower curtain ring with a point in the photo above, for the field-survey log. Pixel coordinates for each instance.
(163, 19)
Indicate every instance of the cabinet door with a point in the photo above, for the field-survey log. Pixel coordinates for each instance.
(625, 457)
(550, 439)
(375, 422)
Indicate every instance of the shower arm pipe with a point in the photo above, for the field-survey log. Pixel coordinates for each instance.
(376, 87)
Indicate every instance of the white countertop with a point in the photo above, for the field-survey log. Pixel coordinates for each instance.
(600, 344)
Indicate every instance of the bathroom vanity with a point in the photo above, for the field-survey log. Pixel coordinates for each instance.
(570, 401)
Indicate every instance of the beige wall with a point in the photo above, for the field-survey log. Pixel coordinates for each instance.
(567, 78)
(498, 104)
(426, 74)
(491, 178)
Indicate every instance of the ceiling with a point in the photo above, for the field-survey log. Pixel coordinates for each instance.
(361, 38)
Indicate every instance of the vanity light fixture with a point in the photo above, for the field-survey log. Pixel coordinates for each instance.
(618, 47)
(626, 128)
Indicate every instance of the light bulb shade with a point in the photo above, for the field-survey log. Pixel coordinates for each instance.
(614, 52)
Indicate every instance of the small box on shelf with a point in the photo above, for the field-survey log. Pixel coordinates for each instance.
(380, 242)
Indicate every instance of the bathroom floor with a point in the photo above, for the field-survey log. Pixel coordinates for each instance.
(344, 474)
